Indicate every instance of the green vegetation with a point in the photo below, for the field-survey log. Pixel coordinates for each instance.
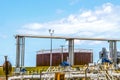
(30, 70)
(1, 71)
(33, 70)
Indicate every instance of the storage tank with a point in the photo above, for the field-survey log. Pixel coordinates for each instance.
(81, 57)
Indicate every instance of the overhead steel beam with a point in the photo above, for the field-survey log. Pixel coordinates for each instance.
(65, 37)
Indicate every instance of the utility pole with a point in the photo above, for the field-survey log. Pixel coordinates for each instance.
(51, 33)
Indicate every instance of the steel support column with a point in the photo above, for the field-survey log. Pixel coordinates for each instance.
(20, 51)
(71, 50)
(17, 51)
(113, 51)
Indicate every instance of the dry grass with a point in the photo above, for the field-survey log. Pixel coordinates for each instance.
(2, 78)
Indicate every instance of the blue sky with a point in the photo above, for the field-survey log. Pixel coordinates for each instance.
(79, 18)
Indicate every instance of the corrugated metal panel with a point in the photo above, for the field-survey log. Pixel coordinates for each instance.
(37, 59)
(46, 60)
(56, 59)
(80, 58)
(42, 59)
(65, 55)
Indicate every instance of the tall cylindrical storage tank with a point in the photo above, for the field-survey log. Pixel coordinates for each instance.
(81, 57)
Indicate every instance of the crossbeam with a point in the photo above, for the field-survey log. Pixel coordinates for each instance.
(66, 37)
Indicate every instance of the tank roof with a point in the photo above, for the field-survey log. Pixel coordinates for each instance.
(65, 50)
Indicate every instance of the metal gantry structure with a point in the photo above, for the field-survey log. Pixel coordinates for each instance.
(20, 46)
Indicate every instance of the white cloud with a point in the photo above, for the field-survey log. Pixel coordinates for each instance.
(86, 14)
(95, 42)
(105, 8)
(85, 33)
(103, 21)
(78, 42)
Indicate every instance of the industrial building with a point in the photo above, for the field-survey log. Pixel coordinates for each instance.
(81, 57)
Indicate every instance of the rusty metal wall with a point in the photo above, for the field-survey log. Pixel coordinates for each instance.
(56, 59)
(43, 60)
(65, 55)
(80, 58)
